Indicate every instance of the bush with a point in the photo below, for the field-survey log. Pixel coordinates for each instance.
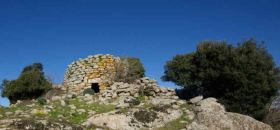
(89, 91)
(141, 98)
(242, 77)
(129, 69)
(145, 116)
(31, 84)
(41, 101)
(74, 96)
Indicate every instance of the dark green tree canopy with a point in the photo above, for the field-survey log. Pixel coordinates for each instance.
(30, 84)
(242, 77)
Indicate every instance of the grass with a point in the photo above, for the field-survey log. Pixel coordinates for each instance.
(141, 98)
(73, 116)
(69, 115)
(97, 107)
(178, 123)
(22, 106)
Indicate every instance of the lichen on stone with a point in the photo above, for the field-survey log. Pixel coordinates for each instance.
(145, 116)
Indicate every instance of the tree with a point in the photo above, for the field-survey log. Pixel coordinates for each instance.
(244, 77)
(129, 69)
(29, 85)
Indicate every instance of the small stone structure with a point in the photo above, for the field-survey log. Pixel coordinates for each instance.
(142, 87)
(96, 72)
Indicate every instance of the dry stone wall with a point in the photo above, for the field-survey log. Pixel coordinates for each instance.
(83, 73)
(142, 87)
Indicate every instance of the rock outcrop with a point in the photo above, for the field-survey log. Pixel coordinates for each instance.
(19, 124)
(135, 119)
(211, 115)
(140, 105)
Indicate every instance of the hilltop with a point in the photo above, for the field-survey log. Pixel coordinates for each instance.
(141, 105)
(104, 92)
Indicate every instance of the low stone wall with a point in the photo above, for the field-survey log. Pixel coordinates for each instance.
(99, 69)
(143, 87)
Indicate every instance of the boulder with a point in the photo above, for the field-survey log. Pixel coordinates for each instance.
(62, 103)
(18, 112)
(8, 113)
(29, 124)
(211, 115)
(111, 121)
(161, 101)
(196, 99)
(56, 98)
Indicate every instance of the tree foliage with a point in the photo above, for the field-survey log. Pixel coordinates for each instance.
(129, 69)
(29, 85)
(242, 77)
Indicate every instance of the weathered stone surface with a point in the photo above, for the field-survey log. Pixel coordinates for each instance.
(62, 103)
(99, 69)
(196, 99)
(56, 98)
(8, 113)
(161, 101)
(20, 124)
(142, 87)
(112, 121)
(18, 112)
(211, 115)
(135, 119)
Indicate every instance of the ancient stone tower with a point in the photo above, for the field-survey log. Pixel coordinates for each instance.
(95, 72)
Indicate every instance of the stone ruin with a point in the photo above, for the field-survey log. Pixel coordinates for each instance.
(96, 72)
(100, 73)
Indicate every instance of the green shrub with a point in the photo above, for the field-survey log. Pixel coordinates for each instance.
(141, 98)
(74, 96)
(41, 101)
(145, 116)
(31, 84)
(89, 91)
(129, 69)
(242, 77)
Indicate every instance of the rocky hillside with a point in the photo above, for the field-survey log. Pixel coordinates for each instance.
(143, 105)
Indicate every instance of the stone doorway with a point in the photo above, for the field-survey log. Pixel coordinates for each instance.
(95, 87)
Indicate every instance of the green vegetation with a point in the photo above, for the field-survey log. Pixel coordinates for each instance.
(55, 111)
(89, 91)
(145, 116)
(24, 106)
(177, 124)
(129, 69)
(141, 98)
(97, 107)
(31, 84)
(41, 101)
(73, 115)
(242, 77)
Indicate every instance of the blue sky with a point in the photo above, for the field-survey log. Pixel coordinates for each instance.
(57, 32)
